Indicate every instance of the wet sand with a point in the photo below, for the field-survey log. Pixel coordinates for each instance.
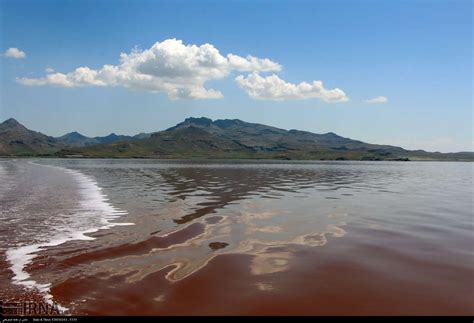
(14, 293)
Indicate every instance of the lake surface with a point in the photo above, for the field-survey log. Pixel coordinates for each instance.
(149, 237)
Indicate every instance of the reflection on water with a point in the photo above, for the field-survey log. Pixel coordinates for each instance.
(246, 229)
(260, 210)
(187, 213)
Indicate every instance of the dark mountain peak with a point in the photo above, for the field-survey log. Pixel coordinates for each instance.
(111, 138)
(13, 126)
(332, 134)
(17, 140)
(296, 131)
(200, 122)
(74, 139)
(11, 122)
(204, 122)
(74, 135)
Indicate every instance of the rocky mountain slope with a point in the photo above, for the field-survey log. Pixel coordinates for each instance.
(205, 138)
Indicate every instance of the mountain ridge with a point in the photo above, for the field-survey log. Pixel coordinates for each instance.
(206, 138)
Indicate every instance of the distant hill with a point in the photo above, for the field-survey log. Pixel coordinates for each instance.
(17, 140)
(75, 139)
(205, 138)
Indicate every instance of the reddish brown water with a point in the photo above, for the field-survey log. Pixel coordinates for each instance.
(256, 239)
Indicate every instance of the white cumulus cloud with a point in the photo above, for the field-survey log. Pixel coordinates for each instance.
(251, 64)
(14, 52)
(377, 99)
(170, 66)
(274, 88)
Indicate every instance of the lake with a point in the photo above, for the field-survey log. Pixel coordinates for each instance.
(155, 237)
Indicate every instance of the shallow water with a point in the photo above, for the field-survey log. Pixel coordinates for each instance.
(286, 237)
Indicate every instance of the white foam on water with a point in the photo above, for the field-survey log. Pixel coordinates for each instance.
(93, 204)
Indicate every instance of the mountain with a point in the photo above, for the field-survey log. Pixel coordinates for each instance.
(75, 139)
(142, 135)
(112, 138)
(17, 140)
(205, 138)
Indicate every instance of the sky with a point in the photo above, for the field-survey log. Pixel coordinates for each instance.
(385, 72)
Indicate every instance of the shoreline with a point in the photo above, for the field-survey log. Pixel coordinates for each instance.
(263, 160)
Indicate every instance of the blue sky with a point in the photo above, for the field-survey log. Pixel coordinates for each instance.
(416, 55)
